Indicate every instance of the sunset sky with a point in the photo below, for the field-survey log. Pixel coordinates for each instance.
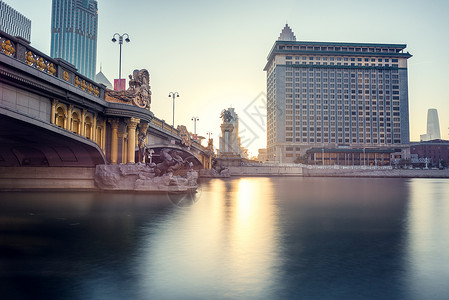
(213, 52)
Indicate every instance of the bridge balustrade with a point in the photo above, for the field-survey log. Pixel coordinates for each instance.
(19, 49)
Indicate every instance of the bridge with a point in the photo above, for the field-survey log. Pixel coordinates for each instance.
(51, 116)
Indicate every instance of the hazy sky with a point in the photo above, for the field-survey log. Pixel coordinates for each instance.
(213, 52)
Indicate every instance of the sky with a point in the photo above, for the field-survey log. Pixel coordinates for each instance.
(213, 52)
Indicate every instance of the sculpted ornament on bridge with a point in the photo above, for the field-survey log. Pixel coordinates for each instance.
(226, 116)
(185, 136)
(138, 92)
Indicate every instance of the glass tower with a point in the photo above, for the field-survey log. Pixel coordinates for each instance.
(328, 94)
(74, 27)
(14, 23)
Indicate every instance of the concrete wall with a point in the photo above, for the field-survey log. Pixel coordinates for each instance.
(265, 171)
(25, 102)
(46, 178)
(375, 173)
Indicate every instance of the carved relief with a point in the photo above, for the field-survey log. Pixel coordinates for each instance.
(8, 48)
(138, 92)
(41, 64)
(77, 81)
(51, 69)
(29, 58)
(185, 136)
(65, 75)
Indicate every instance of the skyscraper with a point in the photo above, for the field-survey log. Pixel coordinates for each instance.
(433, 126)
(74, 27)
(334, 94)
(14, 23)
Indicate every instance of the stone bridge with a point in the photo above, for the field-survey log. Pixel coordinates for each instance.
(52, 116)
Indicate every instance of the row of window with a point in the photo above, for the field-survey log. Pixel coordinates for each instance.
(325, 58)
(339, 48)
(341, 140)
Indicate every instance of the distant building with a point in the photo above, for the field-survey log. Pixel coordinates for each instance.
(436, 151)
(101, 78)
(262, 156)
(433, 126)
(74, 27)
(328, 94)
(14, 23)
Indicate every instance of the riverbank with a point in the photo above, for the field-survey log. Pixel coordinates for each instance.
(385, 173)
(334, 171)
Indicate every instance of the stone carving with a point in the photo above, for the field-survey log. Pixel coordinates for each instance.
(185, 136)
(65, 75)
(141, 177)
(226, 116)
(8, 48)
(171, 161)
(142, 146)
(217, 171)
(138, 92)
(29, 58)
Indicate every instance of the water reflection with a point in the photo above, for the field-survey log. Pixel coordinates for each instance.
(428, 238)
(225, 247)
(248, 238)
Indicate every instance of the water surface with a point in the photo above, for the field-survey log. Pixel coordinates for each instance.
(248, 238)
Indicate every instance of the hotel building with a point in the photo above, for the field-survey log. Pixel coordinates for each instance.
(74, 27)
(14, 23)
(335, 95)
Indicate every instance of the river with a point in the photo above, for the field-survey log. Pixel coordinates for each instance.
(245, 238)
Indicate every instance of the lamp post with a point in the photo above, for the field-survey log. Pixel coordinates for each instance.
(322, 155)
(120, 42)
(194, 119)
(173, 95)
(364, 156)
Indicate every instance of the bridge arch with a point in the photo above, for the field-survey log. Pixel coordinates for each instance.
(184, 153)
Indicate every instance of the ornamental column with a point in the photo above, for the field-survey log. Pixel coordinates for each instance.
(114, 140)
(132, 125)
(53, 111)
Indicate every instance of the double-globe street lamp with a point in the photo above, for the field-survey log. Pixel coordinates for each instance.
(194, 119)
(120, 42)
(173, 95)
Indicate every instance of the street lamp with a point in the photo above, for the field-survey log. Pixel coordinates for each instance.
(364, 155)
(173, 95)
(120, 42)
(194, 119)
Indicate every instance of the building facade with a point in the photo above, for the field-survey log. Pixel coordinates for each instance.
(13, 22)
(335, 94)
(435, 153)
(74, 27)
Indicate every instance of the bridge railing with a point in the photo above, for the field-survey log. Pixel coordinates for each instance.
(168, 128)
(20, 49)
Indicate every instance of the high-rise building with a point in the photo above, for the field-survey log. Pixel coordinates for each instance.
(433, 126)
(74, 27)
(14, 23)
(329, 94)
